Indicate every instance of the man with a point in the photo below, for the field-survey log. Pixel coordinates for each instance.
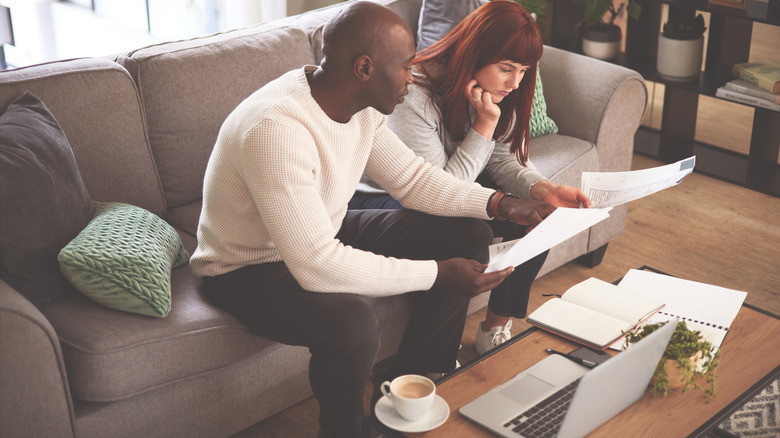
(279, 250)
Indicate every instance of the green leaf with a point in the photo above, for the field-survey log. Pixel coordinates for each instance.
(634, 10)
(594, 10)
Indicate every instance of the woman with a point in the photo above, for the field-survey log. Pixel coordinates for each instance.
(468, 112)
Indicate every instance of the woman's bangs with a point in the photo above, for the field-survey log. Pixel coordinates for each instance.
(524, 47)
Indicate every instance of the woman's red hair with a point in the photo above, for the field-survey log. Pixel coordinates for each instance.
(495, 31)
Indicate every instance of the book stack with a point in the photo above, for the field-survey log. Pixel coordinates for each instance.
(757, 84)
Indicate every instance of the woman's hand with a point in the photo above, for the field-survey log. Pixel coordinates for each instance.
(559, 196)
(488, 112)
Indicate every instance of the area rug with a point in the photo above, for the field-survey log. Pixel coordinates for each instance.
(758, 418)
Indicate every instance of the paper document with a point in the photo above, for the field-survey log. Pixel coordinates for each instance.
(699, 304)
(610, 189)
(562, 224)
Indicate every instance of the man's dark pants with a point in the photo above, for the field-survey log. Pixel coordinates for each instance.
(341, 330)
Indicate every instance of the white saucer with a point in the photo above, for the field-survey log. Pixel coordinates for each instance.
(438, 414)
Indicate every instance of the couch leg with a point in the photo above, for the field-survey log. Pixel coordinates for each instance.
(593, 258)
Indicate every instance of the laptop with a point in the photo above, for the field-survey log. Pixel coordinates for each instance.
(590, 396)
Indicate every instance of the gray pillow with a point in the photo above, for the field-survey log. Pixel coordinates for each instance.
(43, 201)
(437, 17)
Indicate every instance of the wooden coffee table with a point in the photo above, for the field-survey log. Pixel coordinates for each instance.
(750, 360)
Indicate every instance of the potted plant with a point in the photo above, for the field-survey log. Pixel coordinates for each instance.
(681, 45)
(601, 37)
(687, 360)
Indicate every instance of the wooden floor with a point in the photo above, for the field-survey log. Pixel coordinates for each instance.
(704, 230)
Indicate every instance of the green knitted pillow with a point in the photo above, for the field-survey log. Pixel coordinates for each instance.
(123, 259)
(541, 123)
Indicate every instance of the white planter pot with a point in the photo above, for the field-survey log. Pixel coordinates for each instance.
(679, 60)
(601, 44)
(600, 49)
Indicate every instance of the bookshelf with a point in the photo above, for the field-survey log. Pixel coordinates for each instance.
(729, 39)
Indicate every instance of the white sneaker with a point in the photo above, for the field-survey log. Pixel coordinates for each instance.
(489, 339)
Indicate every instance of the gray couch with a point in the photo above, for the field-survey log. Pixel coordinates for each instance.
(141, 127)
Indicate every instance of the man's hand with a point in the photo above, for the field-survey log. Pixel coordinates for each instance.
(559, 196)
(467, 277)
(524, 211)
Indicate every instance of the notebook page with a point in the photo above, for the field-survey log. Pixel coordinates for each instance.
(712, 306)
(576, 322)
(618, 302)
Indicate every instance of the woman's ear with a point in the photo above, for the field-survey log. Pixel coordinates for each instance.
(363, 67)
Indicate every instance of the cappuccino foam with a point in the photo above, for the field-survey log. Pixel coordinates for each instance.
(413, 390)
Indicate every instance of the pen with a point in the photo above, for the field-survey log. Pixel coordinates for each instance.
(583, 362)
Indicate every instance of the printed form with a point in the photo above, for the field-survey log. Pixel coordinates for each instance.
(610, 189)
(605, 190)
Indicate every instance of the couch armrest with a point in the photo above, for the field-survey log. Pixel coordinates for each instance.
(34, 394)
(596, 101)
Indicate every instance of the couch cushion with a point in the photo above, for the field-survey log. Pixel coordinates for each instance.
(562, 159)
(189, 241)
(185, 217)
(123, 259)
(96, 104)
(113, 355)
(313, 22)
(437, 17)
(409, 10)
(43, 201)
(189, 87)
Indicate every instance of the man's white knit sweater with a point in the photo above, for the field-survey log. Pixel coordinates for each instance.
(278, 182)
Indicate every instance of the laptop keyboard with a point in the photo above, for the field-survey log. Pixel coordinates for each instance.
(545, 418)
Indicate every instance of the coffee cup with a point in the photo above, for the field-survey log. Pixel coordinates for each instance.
(412, 395)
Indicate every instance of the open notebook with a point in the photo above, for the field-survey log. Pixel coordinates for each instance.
(594, 313)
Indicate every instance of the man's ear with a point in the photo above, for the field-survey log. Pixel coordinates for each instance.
(363, 67)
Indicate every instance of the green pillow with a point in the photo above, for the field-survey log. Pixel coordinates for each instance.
(541, 123)
(123, 259)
